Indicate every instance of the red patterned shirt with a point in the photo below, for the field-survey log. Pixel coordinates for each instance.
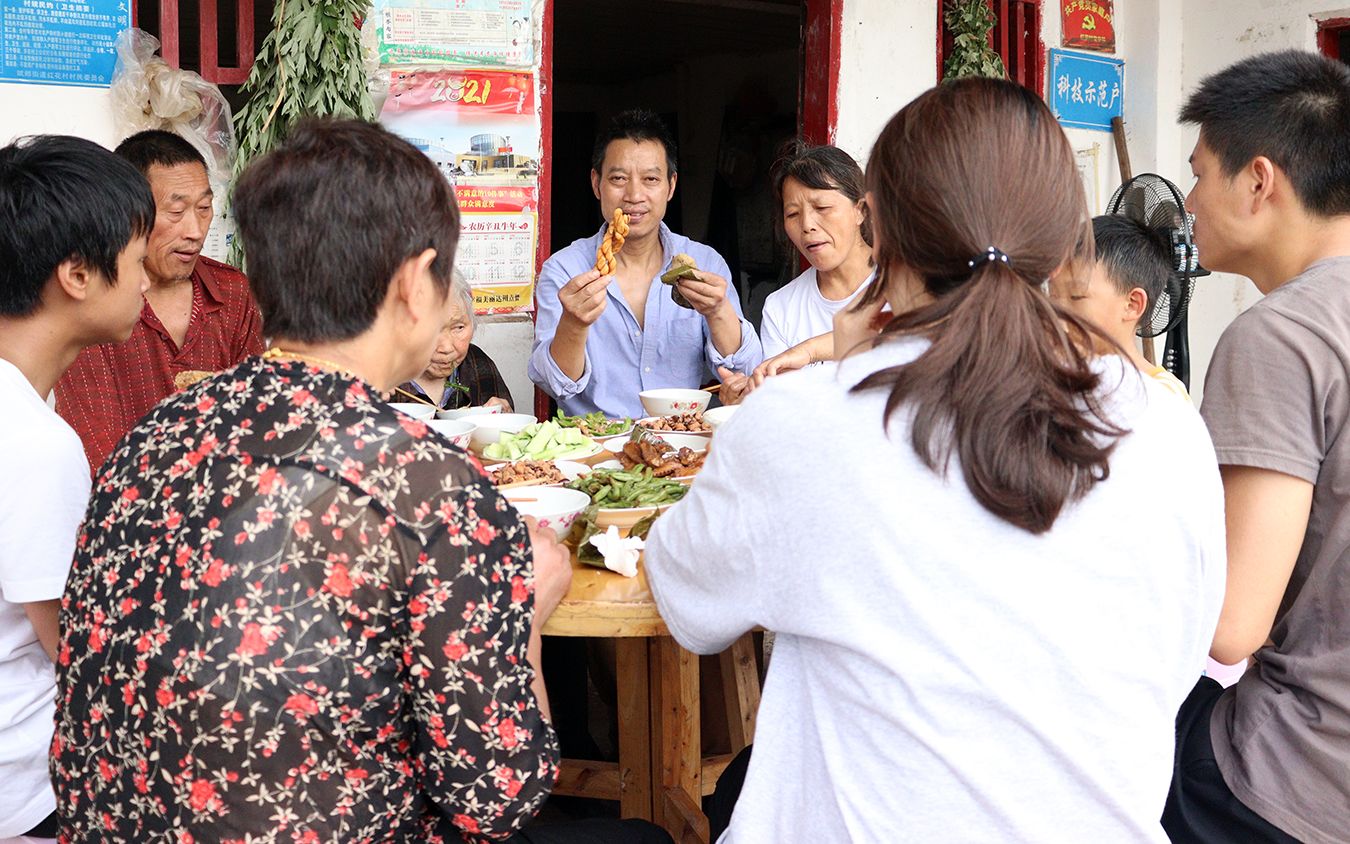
(111, 386)
(296, 615)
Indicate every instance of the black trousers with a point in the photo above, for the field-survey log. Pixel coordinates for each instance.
(1200, 807)
(48, 828)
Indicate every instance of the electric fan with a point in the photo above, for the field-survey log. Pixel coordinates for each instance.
(1157, 203)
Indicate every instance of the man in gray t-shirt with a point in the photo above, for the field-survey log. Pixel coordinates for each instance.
(1269, 759)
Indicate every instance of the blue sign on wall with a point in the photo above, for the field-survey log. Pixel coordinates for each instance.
(1086, 91)
(61, 42)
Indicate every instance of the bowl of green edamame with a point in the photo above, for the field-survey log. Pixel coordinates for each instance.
(624, 497)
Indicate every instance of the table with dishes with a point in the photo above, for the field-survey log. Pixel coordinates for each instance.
(601, 482)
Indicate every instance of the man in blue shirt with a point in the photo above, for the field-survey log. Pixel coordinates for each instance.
(601, 340)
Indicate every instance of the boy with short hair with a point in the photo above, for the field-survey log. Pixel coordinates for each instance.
(74, 220)
(1266, 760)
(1134, 264)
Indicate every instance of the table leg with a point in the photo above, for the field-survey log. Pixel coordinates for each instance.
(635, 728)
(740, 691)
(677, 754)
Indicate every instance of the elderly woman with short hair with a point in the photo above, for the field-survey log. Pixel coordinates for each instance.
(460, 374)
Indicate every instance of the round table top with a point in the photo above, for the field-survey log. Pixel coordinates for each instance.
(603, 604)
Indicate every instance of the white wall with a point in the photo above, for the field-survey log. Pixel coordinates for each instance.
(55, 109)
(1216, 34)
(888, 56)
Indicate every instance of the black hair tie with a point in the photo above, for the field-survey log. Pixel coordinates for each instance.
(991, 255)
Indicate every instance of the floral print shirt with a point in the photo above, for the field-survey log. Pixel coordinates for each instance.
(296, 615)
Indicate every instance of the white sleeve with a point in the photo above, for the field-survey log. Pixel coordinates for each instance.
(771, 328)
(40, 517)
(702, 554)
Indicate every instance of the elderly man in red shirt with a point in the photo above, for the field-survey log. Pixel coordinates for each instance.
(198, 313)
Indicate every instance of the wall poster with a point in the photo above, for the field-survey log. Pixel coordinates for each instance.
(481, 128)
(456, 32)
(61, 42)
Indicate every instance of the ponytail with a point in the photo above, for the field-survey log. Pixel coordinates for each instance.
(1007, 385)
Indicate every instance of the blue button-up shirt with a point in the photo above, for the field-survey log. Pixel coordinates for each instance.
(672, 348)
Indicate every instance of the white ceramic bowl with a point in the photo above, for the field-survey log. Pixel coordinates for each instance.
(457, 431)
(476, 410)
(416, 410)
(719, 415)
(673, 400)
(554, 507)
(490, 426)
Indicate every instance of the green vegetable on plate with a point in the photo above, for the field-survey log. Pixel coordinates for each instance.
(541, 441)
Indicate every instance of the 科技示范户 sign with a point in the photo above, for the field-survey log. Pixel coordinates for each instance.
(1086, 91)
(61, 42)
(1088, 24)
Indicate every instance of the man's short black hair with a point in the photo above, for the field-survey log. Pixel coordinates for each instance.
(637, 125)
(64, 198)
(155, 146)
(1134, 256)
(328, 217)
(1292, 107)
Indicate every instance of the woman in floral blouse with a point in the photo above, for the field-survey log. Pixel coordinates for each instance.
(295, 615)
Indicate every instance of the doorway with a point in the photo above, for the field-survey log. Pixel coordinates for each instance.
(725, 76)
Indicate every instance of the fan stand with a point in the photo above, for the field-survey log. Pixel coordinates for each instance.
(1126, 173)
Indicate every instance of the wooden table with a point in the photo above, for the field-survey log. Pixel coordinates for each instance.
(661, 775)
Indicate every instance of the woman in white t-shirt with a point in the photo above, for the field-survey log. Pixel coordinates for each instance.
(985, 623)
(820, 199)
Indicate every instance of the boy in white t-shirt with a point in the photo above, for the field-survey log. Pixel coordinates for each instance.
(74, 222)
(1134, 263)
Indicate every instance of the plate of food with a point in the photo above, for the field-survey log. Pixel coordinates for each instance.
(680, 423)
(595, 425)
(679, 457)
(542, 441)
(535, 473)
(624, 497)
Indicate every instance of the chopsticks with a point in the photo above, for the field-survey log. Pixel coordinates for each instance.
(531, 482)
(414, 397)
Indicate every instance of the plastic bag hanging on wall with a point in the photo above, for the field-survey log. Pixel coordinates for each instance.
(147, 93)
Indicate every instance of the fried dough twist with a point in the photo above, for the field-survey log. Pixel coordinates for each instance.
(609, 247)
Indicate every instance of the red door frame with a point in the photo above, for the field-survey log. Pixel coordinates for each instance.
(1328, 37)
(544, 226)
(818, 109)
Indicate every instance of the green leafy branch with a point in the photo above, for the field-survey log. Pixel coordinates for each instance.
(970, 22)
(309, 65)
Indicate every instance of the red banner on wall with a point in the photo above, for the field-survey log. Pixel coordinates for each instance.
(1088, 24)
(491, 199)
(483, 91)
